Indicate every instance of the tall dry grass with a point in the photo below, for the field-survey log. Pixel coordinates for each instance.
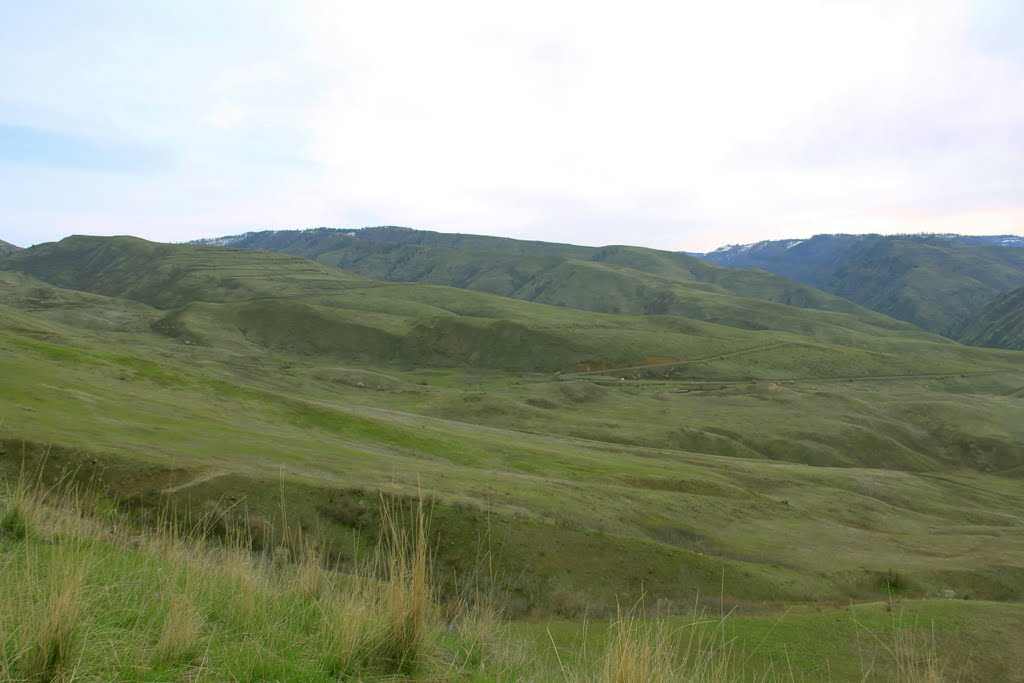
(43, 616)
(640, 648)
(910, 652)
(203, 604)
(181, 633)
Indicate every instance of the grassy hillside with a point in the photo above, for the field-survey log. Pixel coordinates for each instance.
(91, 592)
(937, 283)
(7, 248)
(1000, 323)
(933, 285)
(616, 279)
(795, 468)
(287, 303)
(572, 462)
(170, 275)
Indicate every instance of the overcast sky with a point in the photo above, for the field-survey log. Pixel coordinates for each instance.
(677, 125)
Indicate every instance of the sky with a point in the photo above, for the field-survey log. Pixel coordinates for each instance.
(676, 125)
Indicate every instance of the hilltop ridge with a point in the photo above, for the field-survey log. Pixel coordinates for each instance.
(613, 279)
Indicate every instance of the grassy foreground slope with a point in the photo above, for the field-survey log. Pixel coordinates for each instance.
(767, 469)
(88, 592)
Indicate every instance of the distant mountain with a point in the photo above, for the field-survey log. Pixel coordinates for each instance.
(244, 299)
(999, 324)
(613, 279)
(990, 240)
(7, 248)
(936, 282)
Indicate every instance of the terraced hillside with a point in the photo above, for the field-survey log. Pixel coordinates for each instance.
(598, 454)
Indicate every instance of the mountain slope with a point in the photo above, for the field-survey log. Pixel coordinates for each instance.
(999, 324)
(935, 282)
(616, 279)
(240, 298)
(169, 275)
(838, 465)
(7, 248)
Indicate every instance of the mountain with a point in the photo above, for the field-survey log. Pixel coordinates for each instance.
(7, 248)
(282, 301)
(614, 279)
(999, 324)
(989, 240)
(936, 282)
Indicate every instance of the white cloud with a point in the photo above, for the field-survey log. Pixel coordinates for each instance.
(671, 124)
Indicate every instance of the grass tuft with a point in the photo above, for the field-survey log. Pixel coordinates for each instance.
(406, 593)
(55, 639)
(180, 635)
(13, 523)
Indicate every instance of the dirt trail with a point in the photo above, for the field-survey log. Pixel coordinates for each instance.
(741, 352)
(201, 479)
(811, 380)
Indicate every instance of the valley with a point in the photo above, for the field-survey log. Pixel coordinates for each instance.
(803, 460)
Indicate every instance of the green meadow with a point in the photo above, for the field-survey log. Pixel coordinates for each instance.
(828, 485)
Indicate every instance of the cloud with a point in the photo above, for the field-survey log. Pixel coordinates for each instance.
(677, 125)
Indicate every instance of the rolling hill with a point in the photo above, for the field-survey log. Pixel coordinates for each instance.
(615, 279)
(283, 301)
(599, 454)
(7, 248)
(248, 304)
(936, 282)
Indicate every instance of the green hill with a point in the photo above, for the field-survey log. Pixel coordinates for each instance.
(249, 304)
(599, 455)
(1000, 323)
(7, 248)
(169, 275)
(290, 303)
(935, 282)
(616, 279)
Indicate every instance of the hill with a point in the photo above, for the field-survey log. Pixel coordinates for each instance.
(615, 279)
(999, 324)
(936, 282)
(599, 455)
(272, 292)
(7, 248)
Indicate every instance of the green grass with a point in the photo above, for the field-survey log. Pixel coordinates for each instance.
(626, 472)
(880, 641)
(92, 593)
(613, 279)
(755, 466)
